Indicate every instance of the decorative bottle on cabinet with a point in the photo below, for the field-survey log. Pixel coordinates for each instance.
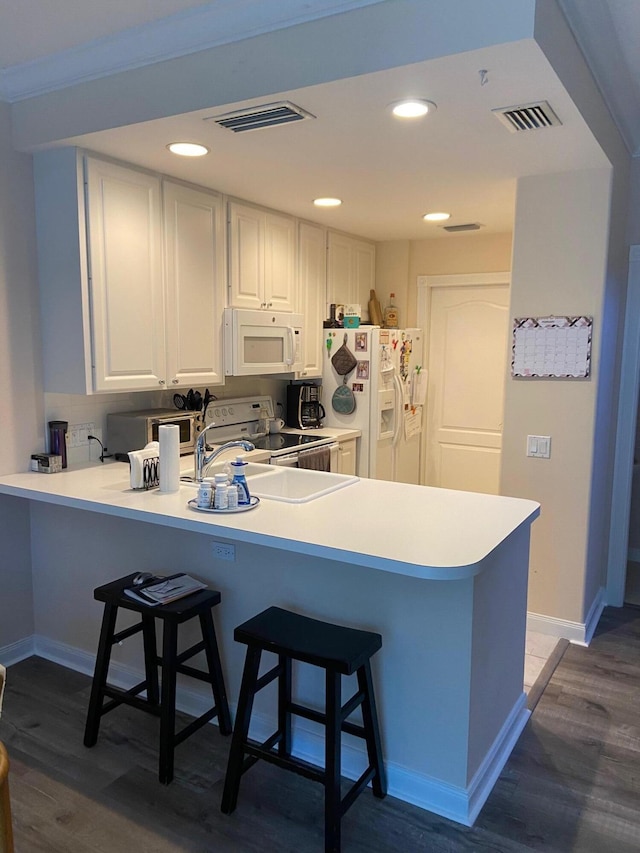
(391, 313)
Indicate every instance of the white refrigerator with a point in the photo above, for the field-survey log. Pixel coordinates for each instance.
(389, 392)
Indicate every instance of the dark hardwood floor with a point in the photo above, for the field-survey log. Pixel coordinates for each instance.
(571, 784)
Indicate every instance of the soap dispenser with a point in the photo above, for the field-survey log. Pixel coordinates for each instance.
(239, 479)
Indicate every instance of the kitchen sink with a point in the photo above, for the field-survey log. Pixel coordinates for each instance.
(253, 469)
(298, 485)
(292, 485)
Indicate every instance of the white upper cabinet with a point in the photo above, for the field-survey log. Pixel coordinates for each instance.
(351, 267)
(124, 234)
(132, 289)
(195, 275)
(312, 288)
(261, 258)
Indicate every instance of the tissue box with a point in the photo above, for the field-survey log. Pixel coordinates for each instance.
(46, 463)
(351, 319)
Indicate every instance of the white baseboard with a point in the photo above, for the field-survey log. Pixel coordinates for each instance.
(579, 633)
(461, 805)
(15, 652)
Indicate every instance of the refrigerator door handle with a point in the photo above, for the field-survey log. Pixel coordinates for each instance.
(398, 409)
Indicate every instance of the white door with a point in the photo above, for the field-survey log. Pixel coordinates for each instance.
(468, 338)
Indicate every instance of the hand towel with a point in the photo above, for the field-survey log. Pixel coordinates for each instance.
(316, 459)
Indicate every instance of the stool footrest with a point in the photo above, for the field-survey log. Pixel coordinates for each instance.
(321, 717)
(357, 788)
(128, 697)
(267, 678)
(126, 633)
(194, 725)
(190, 652)
(297, 765)
(194, 673)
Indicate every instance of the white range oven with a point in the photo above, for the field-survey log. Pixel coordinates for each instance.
(246, 417)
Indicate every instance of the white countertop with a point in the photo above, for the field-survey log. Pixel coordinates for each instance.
(417, 531)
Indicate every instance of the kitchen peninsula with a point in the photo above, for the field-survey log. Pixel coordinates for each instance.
(442, 575)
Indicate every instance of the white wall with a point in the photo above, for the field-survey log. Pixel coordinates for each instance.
(20, 378)
(559, 263)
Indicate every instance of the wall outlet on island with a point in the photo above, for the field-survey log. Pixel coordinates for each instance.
(222, 551)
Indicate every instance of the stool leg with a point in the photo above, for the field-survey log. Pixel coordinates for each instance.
(372, 730)
(100, 674)
(150, 658)
(240, 730)
(215, 671)
(284, 705)
(332, 794)
(168, 700)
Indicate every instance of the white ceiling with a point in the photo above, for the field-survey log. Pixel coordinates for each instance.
(388, 173)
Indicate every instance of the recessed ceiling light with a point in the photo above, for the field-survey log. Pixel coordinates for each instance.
(327, 202)
(412, 108)
(436, 217)
(188, 149)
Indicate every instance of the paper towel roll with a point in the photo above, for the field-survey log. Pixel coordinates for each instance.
(169, 439)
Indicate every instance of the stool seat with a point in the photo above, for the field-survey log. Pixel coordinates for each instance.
(309, 640)
(180, 610)
(339, 651)
(160, 699)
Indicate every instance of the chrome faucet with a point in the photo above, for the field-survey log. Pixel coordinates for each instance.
(202, 460)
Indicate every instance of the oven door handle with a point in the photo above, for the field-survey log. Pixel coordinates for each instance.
(290, 461)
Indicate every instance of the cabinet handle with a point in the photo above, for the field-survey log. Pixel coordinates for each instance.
(161, 382)
(174, 381)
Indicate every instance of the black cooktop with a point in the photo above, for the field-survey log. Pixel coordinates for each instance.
(286, 441)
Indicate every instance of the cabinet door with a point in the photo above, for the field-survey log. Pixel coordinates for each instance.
(279, 262)
(347, 456)
(364, 264)
(125, 270)
(195, 284)
(340, 286)
(246, 256)
(312, 264)
(350, 271)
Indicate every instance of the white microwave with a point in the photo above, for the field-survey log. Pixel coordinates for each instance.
(260, 342)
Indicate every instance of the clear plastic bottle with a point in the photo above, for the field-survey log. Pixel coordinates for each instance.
(391, 313)
(240, 481)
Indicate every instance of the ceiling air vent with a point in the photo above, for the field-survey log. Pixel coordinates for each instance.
(469, 226)
(267, 115)
(527, 117)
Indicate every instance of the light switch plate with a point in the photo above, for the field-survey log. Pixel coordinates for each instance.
(539, 446)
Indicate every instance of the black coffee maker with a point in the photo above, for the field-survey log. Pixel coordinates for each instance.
(304, 409)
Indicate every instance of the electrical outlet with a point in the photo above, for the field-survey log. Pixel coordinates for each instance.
(222, 551)
(78, 434)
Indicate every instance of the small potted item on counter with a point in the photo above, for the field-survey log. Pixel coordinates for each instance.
(46, 463)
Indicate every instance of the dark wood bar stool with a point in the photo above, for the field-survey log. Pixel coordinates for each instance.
(160, 701)
(337, 650)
